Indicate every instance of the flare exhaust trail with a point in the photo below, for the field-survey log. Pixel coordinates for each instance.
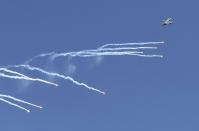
(22, 76)
(2, 98)
(113, 50)
(105, 50)
(12, 72)
(117, 49)
(130, 44)
(13, 104)
(57, 75)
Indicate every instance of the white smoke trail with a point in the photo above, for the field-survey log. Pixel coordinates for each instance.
(57, 75)
(98, 52)
(113, 49)
(13, 104)
(110, 53)
(23, 77)
(148, 55)
(12, 72)
(101, 51)
(37, 56)
(129, 44)
(125, 48)
(19, 100)
(89, 53)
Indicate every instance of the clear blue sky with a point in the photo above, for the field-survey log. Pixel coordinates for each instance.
(143, 94)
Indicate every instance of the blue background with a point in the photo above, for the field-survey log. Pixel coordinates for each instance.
(150, 94)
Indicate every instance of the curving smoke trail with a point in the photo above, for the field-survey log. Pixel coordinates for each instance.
(12, 72)
(57, 75)
(113, 49)
(22, 76)
(2, 96)
(117, 49)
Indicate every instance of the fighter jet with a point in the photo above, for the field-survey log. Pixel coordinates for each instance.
(167, 21)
